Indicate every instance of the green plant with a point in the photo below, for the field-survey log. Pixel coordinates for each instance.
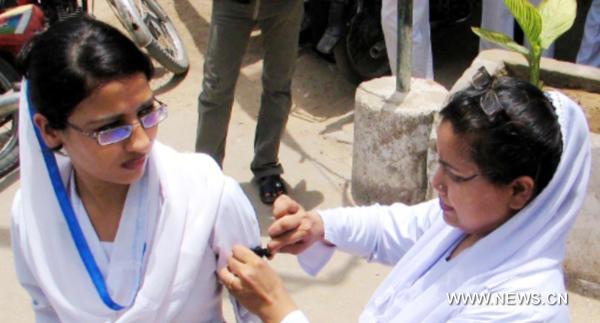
(541, 26)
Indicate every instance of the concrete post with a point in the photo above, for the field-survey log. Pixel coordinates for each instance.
(389, 162)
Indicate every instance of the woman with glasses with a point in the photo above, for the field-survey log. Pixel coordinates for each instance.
(110, 225)
(513, 170)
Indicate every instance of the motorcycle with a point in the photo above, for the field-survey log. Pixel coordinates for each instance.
(18, 24)
(349, 32)
(147, 23)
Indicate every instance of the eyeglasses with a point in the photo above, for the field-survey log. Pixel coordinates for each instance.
(119, 133)
(453, 177)
(489, 101)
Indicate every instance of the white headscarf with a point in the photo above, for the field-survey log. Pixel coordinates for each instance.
(532, 241)
(179, 230)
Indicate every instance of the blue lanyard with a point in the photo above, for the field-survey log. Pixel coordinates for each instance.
(67, 209)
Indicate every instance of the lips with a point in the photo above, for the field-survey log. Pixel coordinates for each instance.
(445, 208)
(134, 163)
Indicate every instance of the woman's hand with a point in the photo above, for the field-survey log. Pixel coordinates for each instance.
(294, 229)
(256, 286)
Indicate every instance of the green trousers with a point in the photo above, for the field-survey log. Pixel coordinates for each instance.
(231, 25)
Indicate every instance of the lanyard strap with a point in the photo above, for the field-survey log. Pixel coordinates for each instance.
(67, 209)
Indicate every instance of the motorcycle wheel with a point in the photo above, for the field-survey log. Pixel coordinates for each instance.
(9, 143)
(166, 45)
(361, 54)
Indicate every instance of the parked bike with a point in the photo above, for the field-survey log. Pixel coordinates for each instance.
(18, 23)
(145, 20)
(349, 32)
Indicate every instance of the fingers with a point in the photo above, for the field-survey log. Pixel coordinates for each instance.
(227, 278)
(237, 263)
(243, 253)
(284, 205)
(284, 241)
(283, 225)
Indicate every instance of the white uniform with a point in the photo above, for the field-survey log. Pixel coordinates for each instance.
(522, 257)
(422, 59)
(178, 227)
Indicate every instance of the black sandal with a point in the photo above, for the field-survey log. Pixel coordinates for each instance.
(270, 187)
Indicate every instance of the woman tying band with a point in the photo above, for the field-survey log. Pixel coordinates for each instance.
(109, 225)
(513, 171)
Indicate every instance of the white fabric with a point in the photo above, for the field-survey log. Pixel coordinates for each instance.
(201, 214)
(295, 317)
(135, 231)
(495, 16)
(422, 58)
(589, 51)
(525, 254)
(107, 247)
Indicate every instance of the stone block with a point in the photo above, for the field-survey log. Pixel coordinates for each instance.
(391, 140)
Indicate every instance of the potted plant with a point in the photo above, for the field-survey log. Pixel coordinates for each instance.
(541, 26)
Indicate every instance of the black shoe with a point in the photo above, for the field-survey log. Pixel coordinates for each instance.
(270, 187)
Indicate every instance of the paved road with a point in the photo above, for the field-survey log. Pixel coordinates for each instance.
(316, 153)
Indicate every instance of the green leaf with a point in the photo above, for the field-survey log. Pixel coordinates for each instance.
(500, 39)
(557, 17)
(528, 17)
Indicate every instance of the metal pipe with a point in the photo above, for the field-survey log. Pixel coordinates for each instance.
(404, 46)
(9, 103)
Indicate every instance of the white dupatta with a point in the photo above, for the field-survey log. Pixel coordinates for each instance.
(179, 232)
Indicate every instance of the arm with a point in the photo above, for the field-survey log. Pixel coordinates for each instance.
(235, 224)
(44, 313)
(377, 233)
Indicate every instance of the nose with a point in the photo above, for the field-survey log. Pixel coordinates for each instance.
(139, 141)
(437, 181)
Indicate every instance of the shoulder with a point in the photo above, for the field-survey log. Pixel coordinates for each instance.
(185, 161)
(186, 168)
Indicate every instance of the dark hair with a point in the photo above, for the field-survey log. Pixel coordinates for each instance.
(72, 58)
(522, 138)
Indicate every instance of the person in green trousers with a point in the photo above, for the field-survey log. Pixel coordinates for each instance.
(231, 25)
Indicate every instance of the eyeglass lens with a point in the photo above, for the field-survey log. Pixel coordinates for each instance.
(117, 134)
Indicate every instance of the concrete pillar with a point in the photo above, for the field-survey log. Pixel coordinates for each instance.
(391, 140)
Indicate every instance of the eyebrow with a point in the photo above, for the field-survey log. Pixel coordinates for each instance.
(112, 118)
(446, 164)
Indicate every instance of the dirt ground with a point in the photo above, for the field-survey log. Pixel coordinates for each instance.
(316, 153)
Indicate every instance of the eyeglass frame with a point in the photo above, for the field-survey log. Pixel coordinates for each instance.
(162, 109)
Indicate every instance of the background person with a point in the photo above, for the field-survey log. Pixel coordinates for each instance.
(512, 176)
(110, 225)
(422, 57)
(589, 50)
(231, 25)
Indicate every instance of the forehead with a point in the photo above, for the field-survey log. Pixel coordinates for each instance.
(453, 148)
(115, 97)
